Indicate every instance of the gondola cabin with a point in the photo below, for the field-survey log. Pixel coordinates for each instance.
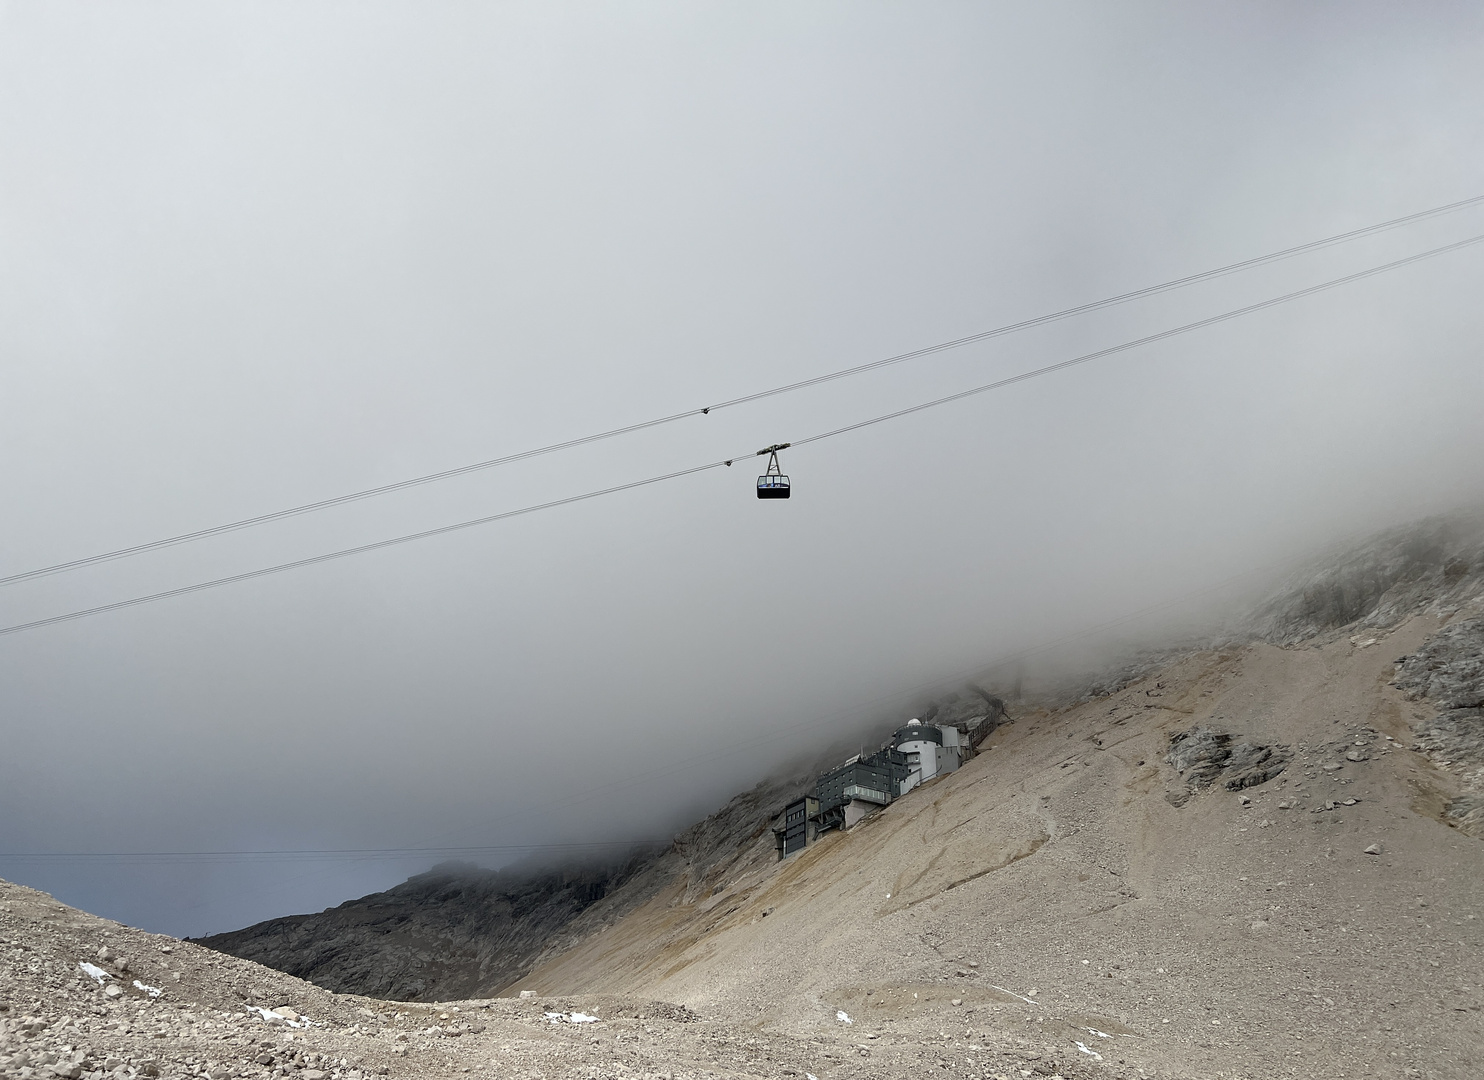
(772, 486)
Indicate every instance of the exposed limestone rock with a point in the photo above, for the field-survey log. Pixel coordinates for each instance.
(1449, 667)
(1203, 756)
(1436, 565)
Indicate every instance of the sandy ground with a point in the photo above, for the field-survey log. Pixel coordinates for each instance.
(1049, 910)
(1051, 891)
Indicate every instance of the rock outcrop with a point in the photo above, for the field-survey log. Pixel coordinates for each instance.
(1436, 565)
(1203, 756)
(1448, 670)
(443, 934)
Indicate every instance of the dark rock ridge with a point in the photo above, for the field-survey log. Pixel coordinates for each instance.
(443, 934)
(460, 930)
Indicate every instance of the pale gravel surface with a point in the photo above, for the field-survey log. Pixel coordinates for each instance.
(56, 1021)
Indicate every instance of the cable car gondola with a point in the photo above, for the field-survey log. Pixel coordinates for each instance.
(773, 484)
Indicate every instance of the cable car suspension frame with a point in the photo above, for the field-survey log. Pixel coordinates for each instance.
(773, 484)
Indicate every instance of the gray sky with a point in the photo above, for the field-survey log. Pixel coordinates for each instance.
(257, 255)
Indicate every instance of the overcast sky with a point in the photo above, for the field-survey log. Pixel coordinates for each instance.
(256, 255)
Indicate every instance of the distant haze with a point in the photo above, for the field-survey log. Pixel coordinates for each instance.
(256, 255)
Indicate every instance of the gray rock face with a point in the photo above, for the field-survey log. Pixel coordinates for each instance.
(1449, 667)
(1467, 813)
(975, 712)
(443, 934)
(1435, 565)
(1449, 670)
(1204, 756)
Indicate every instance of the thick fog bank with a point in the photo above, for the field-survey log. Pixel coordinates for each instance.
(257, 257)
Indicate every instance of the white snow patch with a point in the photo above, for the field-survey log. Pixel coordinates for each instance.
(844, 1017)
(1083, 1047)
(571, 1018)
(273, 1018)
(152, 991)
(1099, 1034)
(94, 971)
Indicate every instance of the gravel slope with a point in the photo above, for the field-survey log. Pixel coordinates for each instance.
(58, 1021)
(1070, 878)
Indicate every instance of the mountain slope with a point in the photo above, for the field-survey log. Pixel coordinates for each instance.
(1259, 858)
(1068, 878)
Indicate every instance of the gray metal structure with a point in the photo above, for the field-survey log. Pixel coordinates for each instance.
(798, 826)
(874, 779)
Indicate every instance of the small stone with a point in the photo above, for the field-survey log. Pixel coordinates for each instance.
(264, 1059)
(973, 963)
(105, 954)
(528, 993)
(1332, 766)
(1374, 849)
(221, 1072)
(1260, 925)
(286, 1012)
(1356, 755)
(1351, 802)
(112, 990)
(957, 1001)
(312, 1074)
(1245, 800)
(1284, 805)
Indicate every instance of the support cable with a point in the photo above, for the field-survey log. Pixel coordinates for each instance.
(629, 429)
(895, 415)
